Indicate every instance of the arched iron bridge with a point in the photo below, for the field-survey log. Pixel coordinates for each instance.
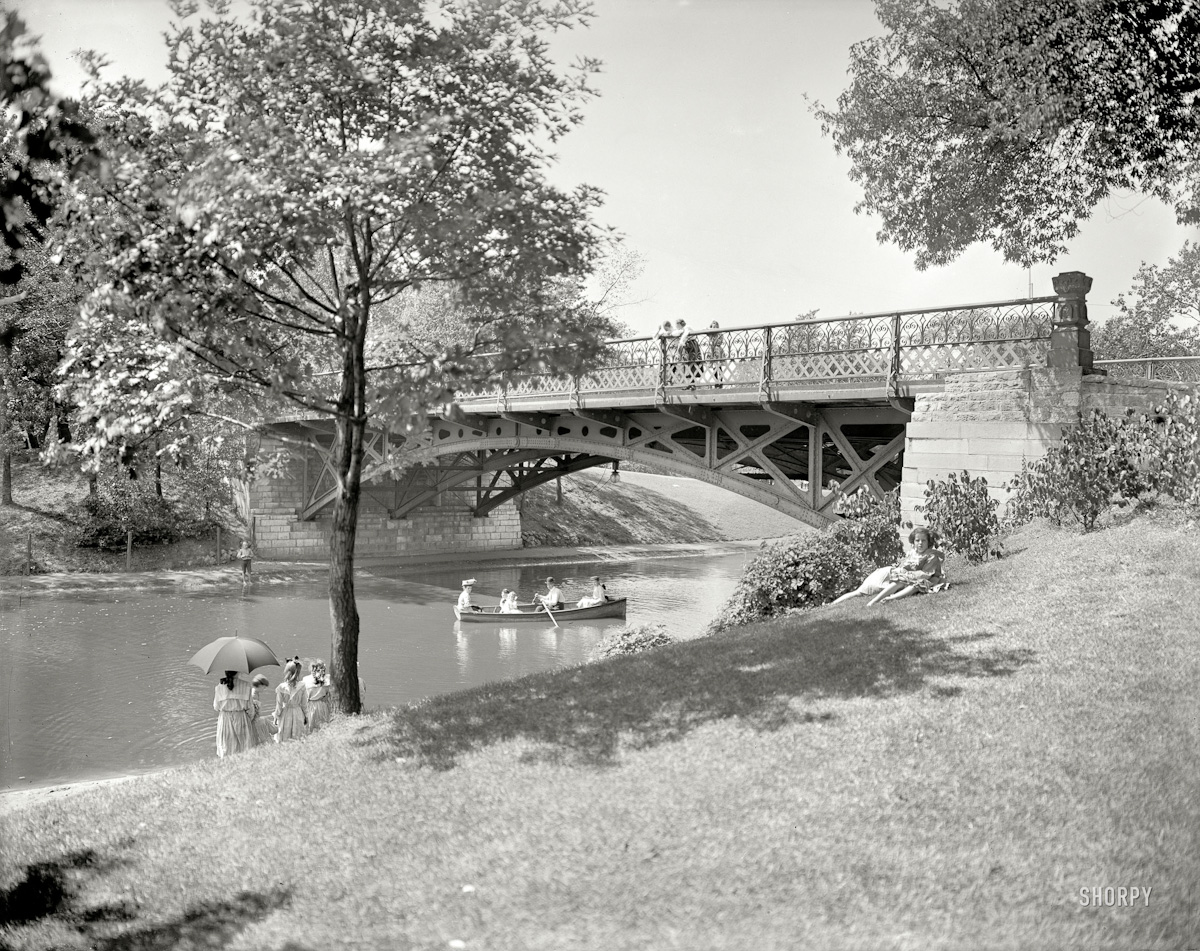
(793, 415)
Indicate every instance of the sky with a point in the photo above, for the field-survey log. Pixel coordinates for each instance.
(715, 173)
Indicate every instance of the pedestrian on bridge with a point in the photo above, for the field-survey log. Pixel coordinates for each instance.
(716, 354)
(689, 346)
(668, 349)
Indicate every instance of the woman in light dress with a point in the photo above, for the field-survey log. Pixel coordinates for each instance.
(233, 704)
(599, 594)
(261, 730)
(317, 685)
(291, 704)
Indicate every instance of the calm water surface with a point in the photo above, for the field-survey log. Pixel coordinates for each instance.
(95, 685)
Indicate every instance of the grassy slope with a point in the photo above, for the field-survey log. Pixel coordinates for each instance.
(943, 772)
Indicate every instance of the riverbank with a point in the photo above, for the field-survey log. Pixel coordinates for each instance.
(943, 772)
(267, 573)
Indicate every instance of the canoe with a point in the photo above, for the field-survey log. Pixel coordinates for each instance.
(493, 615)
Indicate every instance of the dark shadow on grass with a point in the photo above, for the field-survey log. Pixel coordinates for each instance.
(63, 517)
(51, 891)
(766, 677)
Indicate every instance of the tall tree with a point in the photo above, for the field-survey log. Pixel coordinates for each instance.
(1007, 121)
(45, 142)
(1160, 317)
(308, 165)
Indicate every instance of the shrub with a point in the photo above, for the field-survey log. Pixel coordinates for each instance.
(802, 571)
(1168, 447)
(123, 505)
(1099, 459)
(870, 526)
(963, 514)
(631, 639)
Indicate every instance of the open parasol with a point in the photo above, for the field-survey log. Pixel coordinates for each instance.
(234, 653)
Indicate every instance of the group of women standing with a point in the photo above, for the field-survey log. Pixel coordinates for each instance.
(301, 707)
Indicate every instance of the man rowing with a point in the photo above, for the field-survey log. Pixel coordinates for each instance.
(553, 598)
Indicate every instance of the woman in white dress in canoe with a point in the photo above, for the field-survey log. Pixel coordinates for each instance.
(317, 685)
(291, 704)
(233, 704)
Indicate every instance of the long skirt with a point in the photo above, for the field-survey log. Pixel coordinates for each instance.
(261, 731)
(233, 732)
(291, 725)
(318, 714)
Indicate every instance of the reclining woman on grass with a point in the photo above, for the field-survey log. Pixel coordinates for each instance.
(919, 572)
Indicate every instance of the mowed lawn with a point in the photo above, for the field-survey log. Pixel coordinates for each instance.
(944, 772)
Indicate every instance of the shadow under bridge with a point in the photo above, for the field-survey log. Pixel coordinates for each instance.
(798, 458)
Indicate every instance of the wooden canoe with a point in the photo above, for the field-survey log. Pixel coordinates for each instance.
(527, 614)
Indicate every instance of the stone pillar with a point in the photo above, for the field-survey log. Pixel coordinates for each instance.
(1070, 338)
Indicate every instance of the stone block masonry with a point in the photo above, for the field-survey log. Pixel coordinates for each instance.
(276, 499)
(988, 423)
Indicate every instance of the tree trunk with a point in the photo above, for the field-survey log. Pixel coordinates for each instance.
(343, 672)
(347, 461)
(5, 456)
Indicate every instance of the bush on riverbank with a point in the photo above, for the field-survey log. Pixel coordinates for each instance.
(631, 639)
(805, 571)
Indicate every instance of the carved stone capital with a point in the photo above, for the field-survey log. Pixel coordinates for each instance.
(1072, 285)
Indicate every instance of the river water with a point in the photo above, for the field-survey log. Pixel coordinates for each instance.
(97, 685)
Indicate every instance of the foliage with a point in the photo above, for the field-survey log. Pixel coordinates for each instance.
(45, 143)
(963, 514)
(800, 572)
(1162, 318)
(123, 505)
(632, 639)
(1168, 448)
(1097, 461)
(307, 166)
(1007, 121)
(871, 526)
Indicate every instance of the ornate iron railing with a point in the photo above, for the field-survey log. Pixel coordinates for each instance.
(905, 347)
(1171, 369)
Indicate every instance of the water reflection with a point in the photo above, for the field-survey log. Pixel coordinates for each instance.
(97, 684)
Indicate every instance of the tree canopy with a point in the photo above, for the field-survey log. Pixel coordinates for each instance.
(1005, 121)
(315, 173)
(1160, 317)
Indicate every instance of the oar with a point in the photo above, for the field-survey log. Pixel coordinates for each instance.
(551, 613)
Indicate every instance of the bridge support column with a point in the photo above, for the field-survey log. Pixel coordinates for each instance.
(986, 424)
(277, 498)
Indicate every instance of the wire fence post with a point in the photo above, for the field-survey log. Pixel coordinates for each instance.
(218, 553)
(29, 553)
(129, 551)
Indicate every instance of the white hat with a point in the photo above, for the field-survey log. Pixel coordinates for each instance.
(468, 582)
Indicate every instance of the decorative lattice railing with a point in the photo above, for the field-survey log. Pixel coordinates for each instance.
(907, 347)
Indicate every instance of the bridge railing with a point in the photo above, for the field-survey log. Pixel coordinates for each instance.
(1171, 369)
(906, 346)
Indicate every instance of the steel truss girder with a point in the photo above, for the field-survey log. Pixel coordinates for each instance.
(457, 450)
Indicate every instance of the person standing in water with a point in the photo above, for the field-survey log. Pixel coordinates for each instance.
(245, 554)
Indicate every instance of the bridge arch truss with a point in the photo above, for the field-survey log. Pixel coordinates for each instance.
(799, 458)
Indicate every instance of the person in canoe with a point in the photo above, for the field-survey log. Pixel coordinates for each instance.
(464, 599)
(508, 602)
(553, 598)
(599, 594)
